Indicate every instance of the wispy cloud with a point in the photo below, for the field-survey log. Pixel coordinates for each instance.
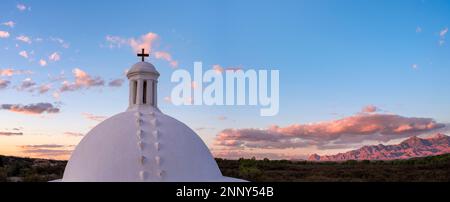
(116, 83)
(146, 41)
(93, 117)
(418, 29)
(11, 72)
(10, 133)
(47, 150)
(37, 108)
(10, 24)
(40, 146)
(24, 39)
(82, 80)
(442, 34)
(27, 84)
(23, 54)
(4, 34)
(4, 84)
(73, 134)
(167, 57)
(44, 88)
(60, 41)
(54, 57)
(22, 7)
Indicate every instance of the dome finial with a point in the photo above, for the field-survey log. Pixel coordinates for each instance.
(143, 55)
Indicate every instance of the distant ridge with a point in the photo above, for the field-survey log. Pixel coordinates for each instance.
(409, 148)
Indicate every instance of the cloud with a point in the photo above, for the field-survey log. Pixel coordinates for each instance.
(23, 54)
(145, 41)
(48, 150)
(27, 84)
(44, 88)
(42, 62)
(37, 108)
(219, 69)
(415, 66)
(369, 109)
(116, 83)
(4, 84)
(348, 130)
(222, 118)
(22, 7)
(73, 134)
(24, 39)
(418, 29)
(10, 133)
(93, 117)
(49, 153)
(167, 57)
(41, 146)
(11, 72)
(10, 24)
(54, 57)
(82, 80)
(442, 34)
(4, 34)
(60, 41)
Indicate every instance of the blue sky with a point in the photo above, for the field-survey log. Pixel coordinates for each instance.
(334, 57)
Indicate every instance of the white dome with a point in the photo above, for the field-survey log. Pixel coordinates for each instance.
(159, 148)
(142, 67)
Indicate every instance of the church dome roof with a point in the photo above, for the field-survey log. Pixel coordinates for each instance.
(142, 146)
(142, 67)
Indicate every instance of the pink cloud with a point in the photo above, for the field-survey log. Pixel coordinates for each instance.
(42, 62)
(9, 24)
(23, 54)
(82, 80)
(167, 57)
(369, 109)
(37, 108)
(93, 117)
(146, 41)
(24, 39)
(54, 57)
(73, 134)
(4, 34)
(349, 130)
(11, 72)
(219, 69)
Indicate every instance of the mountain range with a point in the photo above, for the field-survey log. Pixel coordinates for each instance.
(409, 148)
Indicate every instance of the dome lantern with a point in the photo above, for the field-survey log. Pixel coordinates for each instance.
(143, 79)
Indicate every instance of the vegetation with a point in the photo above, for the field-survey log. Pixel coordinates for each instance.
(434, 168)
(15, 169)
